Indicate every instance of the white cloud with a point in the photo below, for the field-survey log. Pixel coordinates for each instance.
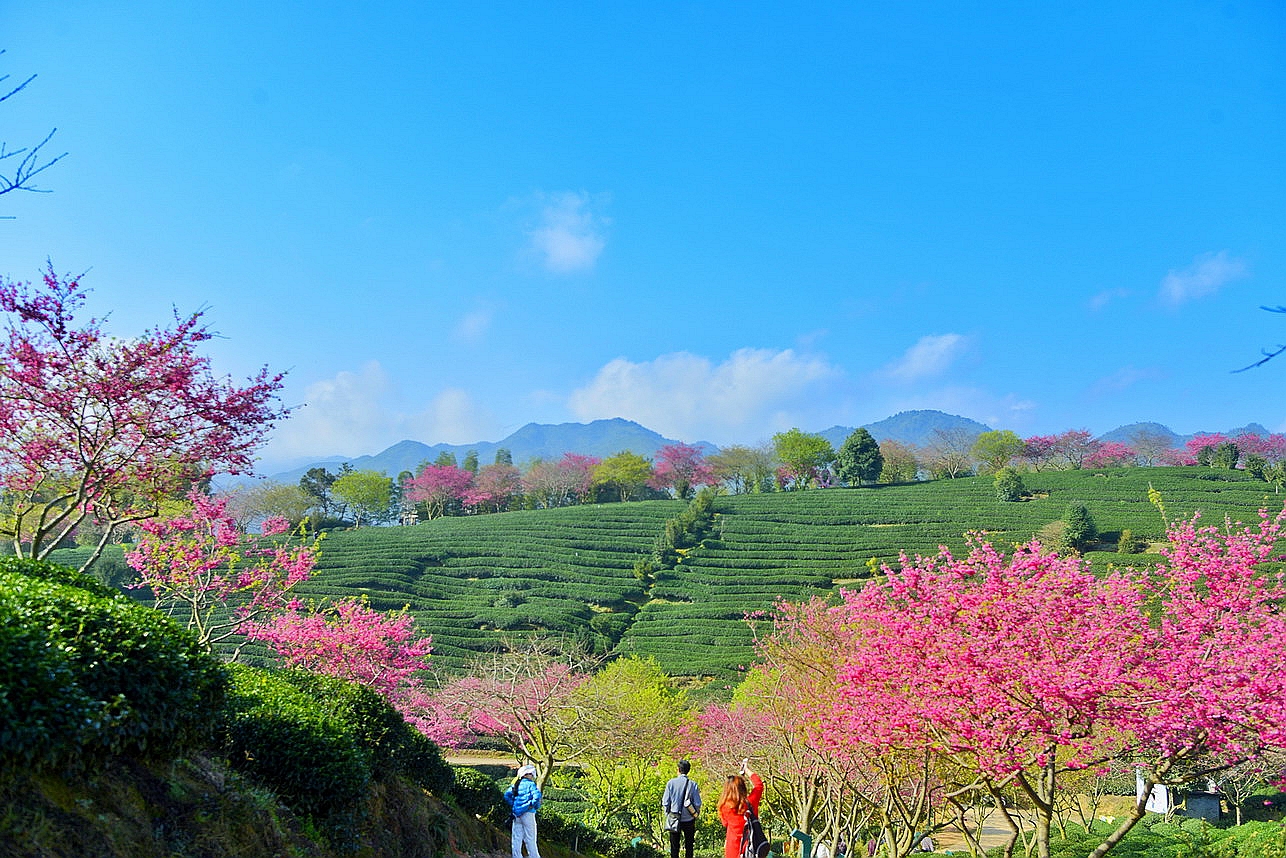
(1106, 297)
(452, 417)
(1122, 380)
(570, 234)
(930, 356)
(1207, 274)
(473, 326)
(687, 397)
(354, 414)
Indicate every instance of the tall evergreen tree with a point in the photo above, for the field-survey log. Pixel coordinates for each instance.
(859, 460)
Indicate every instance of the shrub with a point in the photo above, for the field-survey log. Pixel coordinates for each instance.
(276, 735)
(1053, 536)
(90, 674)
(394, 746)
(1080, 530)
(1009, 485)
(477, 793)
(1128, 543)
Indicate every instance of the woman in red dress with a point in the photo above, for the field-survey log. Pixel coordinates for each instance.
(733, 802)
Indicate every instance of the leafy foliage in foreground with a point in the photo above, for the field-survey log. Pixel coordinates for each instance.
(88, 674)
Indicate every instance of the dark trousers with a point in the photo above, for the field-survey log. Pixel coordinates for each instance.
(688, 830)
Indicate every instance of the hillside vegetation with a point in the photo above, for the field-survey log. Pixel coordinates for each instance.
(472, 580)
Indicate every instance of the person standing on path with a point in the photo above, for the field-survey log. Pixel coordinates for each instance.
(682, 797)
(524, 799)
(733, 802)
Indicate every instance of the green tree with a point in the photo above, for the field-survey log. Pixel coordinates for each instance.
(1276, 474)
(1255, 465)
(859, 460)
(1080, 530)
(995, 449)
(629, 720)
(369, 495)
(1226, 456)
(625, 474)
(446, 457)
(803, 455)
(317, 484)
(1009, 485)
(288, 501)
(471, 462)
(1128, 543)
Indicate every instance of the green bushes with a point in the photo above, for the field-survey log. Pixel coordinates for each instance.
(318, 742)
(477, 793)
(276, 735)
(89, 674)
(395, 747)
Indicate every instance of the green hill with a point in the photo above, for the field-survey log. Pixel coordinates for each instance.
(473, 580)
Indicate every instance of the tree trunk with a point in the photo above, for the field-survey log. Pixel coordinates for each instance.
(1140, 808)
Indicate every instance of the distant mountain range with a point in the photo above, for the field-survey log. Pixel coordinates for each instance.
(604, 438)
(601, 438)
(1124, 434)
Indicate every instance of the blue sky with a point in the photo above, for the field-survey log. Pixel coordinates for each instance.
(721, 220)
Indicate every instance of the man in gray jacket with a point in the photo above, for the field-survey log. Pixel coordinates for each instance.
(680, 804)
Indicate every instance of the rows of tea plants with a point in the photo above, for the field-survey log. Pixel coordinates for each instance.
(790, 546)
(472, 580)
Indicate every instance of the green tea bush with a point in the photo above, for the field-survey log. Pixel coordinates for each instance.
(89, 674)
(475, 792)
(277, 735)
(394, 746)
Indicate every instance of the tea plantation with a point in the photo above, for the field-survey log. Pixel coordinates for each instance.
(472, 581)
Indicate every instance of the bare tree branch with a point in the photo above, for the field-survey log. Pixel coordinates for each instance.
(30, 161)
(1267, 355)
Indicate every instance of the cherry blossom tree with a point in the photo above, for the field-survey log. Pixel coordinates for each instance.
(1201, 447)
(1111, 454)
(202, 568)
(1270, 448)
(524, 696)
(1074, 447)
(681, 468)
(1015, 670)
(1039, 450)
(438, 487)
(494, 488)
(350, 640)
(103, 430)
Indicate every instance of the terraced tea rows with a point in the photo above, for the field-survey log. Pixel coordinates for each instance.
(790, 546)
(470, 581)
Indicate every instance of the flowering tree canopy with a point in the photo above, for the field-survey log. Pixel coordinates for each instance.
(438, 487)
(98, 428)
(352, 641)
(525, 697)
(1012, 669)
(681, 467)
(202, 566)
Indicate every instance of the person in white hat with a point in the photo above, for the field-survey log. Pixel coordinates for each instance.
(524, 799)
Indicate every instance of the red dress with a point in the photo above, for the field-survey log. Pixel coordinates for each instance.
(735, 821)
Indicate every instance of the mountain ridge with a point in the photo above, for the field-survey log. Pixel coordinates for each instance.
(608, 436)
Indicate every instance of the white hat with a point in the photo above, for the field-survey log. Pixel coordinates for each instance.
(527, 770)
